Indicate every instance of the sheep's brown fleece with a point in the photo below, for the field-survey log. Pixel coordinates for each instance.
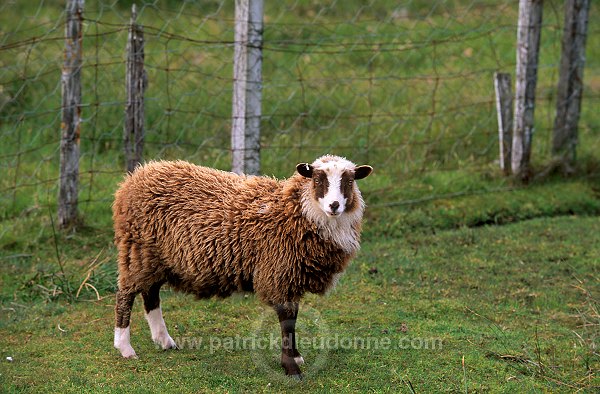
(210, 232)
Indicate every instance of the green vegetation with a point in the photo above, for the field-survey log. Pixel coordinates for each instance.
(518, 302)
(466, 281)
(407, 88)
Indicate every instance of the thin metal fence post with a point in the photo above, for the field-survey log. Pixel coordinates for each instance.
(502, 85)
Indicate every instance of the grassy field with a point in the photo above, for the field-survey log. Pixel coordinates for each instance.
(467, 281)
(486, 309)
(436, 282)
(406, 88)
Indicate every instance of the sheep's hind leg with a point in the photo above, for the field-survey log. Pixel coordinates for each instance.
(158, 329)
(122, 342)
(290, 357)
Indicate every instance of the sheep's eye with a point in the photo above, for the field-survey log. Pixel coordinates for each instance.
(317, 182)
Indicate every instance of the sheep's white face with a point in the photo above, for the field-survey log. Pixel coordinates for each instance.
(333, 185)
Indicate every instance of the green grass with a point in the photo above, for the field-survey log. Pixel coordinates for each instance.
(518, 302)
(406, 88)
(436, 280)
(457, 262)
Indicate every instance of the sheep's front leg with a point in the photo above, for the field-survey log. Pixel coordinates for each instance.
(290, 357)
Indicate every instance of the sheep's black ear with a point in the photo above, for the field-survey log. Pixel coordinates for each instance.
(305, 169)
(361, 172)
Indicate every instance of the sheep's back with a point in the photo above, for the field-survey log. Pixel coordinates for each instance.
(191, 218)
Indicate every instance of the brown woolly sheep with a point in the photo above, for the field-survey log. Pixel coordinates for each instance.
(209, 232)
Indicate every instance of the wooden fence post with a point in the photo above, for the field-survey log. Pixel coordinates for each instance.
(136, 82)
(529, 31)
(570, 83)
(247, 87)
(71, 116)
(502, 85)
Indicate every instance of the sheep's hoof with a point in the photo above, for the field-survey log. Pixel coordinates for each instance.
(127, 352)
(165, 342)
(170, 345)
(290, 366)
(297, 378)
(129, 355)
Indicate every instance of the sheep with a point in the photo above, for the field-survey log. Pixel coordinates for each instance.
(212, 233)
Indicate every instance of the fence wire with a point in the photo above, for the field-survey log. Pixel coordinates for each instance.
(404, 86)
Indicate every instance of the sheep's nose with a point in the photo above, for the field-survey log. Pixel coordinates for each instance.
(334, 206)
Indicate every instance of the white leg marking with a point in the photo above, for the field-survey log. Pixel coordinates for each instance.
(160, 335)
(123, 343)
(299, 360)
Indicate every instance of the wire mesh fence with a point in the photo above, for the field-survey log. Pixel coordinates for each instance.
(404, 86)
